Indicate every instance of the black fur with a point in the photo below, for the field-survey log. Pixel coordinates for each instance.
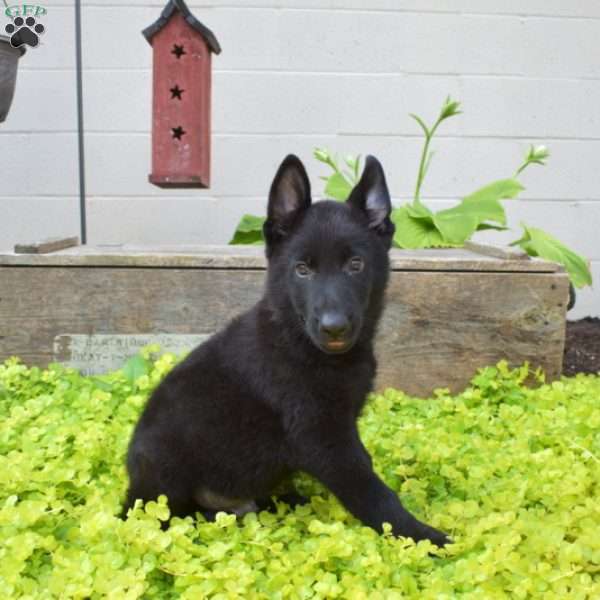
(280, 388)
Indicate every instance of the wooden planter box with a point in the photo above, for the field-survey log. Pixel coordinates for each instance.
(448, 312)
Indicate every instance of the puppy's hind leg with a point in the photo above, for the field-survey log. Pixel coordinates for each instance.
(210, 503)
(292, 499)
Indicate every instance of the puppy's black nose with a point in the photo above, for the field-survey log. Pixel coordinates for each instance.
(334, 325)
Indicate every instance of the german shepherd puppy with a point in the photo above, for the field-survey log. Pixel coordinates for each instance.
(280, 388)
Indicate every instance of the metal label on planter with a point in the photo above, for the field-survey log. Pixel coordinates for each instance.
(101, 352)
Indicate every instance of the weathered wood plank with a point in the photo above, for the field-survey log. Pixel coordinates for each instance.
(47, 245)
(438, 327)
(252, 257)
(505, 252)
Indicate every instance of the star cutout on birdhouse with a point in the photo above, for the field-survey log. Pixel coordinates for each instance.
(176, 92)
(178, 50)
(178, 132)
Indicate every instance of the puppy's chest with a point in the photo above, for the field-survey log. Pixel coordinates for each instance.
(318, 394)
(321, 378)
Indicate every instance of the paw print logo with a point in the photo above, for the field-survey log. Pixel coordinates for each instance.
(24, 31)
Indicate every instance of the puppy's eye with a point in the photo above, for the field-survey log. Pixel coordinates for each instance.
(356, 264)
(302, 269)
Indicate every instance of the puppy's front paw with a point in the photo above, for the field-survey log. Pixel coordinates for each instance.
(425, 532)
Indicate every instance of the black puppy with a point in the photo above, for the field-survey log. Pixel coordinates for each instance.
(280, 388)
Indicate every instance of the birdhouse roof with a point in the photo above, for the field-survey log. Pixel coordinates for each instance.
(167, 13)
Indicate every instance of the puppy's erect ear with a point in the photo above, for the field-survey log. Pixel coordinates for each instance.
(288, 198)
(371, 196)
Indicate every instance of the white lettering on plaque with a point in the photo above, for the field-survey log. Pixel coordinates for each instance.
(100, 352)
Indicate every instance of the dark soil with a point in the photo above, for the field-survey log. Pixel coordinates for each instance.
(582, 346)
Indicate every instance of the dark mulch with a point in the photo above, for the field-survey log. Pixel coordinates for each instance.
(582, 346)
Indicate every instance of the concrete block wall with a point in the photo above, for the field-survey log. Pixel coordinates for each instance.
(294, 75)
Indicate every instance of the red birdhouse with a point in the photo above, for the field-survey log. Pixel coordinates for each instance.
(181, 88)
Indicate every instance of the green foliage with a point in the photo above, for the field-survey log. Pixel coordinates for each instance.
(449, 109)
(136, 367)
(459, 223)
(512, 473)
(249, 231)
(453, 226)
(339, 184)
(536, 155)
(539, 243)
(417, 226)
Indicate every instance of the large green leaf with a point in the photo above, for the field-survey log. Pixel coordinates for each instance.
(249, 230)
(457, 224)
(485, 202)
(417, 210)
(539, 243)
(338, 187)
(414, 232)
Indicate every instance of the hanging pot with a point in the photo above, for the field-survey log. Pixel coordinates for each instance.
(9, 58)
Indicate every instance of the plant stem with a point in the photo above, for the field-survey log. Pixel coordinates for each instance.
(521, 168)
(421, 175)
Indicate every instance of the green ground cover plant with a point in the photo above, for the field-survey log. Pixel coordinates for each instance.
(512, 473)
(417, 226)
